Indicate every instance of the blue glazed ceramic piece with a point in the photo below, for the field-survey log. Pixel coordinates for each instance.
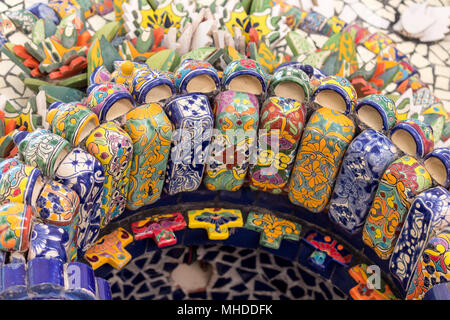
(81, 282)
(335, 93)
(84, 174)
(46, 277)
(192, 118)
(413, 137)
(14, 286)
(196, 76)
(43, 11)
(377, 112)
(245, 75)
(48, 241)
(437, 163)
(150, 85)
(438, 292)
(365, 160)
(429, 214)
(103, 289)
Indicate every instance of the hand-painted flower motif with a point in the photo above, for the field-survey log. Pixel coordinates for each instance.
(215, 221)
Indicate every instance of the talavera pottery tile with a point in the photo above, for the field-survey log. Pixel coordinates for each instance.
(273, 229)
(150, 131)
(48, 241)
(192, 119)
(216, 221)
(365, 160)
(19, 182)
(81, 282)
(109, 101)
(283, 121)
(432, 268)
(245, 75)
(46, 277)
(402, 181)
(428, 215)
(413, 137)
(44, 150)
(361, 274)
(16, 221)
(85, 175)
(376, 111)
(290, 82)
(150, 85)
(59, 205)
(72, 121)
(324, 142)
(336, 93)
(234, 142)
(110, 249)
(160, 227)
(196, 76)
(113, 148)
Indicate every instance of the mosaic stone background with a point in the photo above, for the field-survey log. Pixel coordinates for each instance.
(238, 274)
(431, 59)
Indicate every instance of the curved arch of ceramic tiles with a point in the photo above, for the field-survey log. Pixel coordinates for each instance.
(261, 203)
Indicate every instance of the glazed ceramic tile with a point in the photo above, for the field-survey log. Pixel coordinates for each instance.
(45, 278)
(413, 137)
(273, 229)
(313, 22)
(110, 249)
(150, 131)
(48, 241)
(99, 75)
(64, 7)
(23, 19)
(16, 221)
(44, 150)
(336, 93)
(428, 215)
(343, 60)
(81, 282)
(14, 276)
(245, 75)
(43, 11)
(361, 274)
(364, 162)
(160, 227)
(290, 82)
(192, 119)
(73, 122)
(216, 221)
(437, 163)
(85, 175)
(403, 180)
(283, 119)
(324, 142)
(196, 76)
(150, 85)
(432, 267)
(110, 101)
(113, 148)
(376, 111)
(24, 116)
(234, 141)
(325, 250)
(19, 182)
(59, 205)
